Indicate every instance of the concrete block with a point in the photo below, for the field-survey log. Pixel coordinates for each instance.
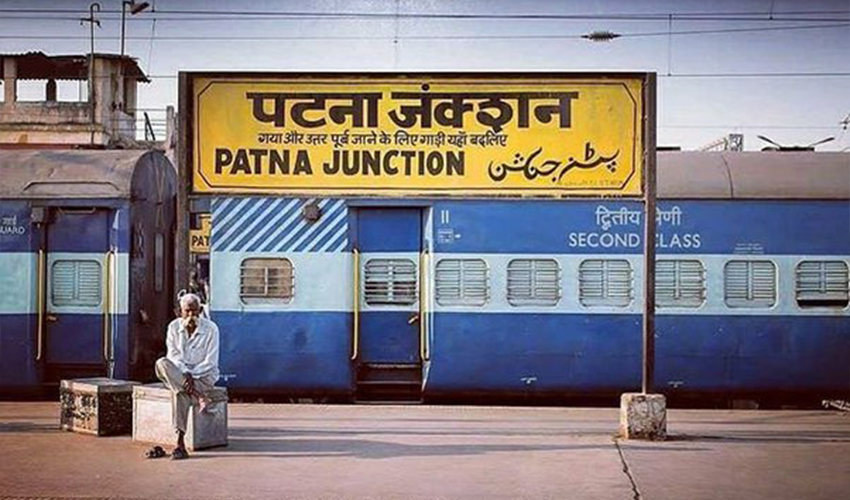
(99, 406)
(643, 416)
(152, 418)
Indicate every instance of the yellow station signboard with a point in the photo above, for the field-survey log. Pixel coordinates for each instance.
(396, 135)
(199, 239)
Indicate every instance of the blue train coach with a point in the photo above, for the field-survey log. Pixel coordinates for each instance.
(366, 298)
(86, 260)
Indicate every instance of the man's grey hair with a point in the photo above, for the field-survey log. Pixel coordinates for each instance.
(190, 300)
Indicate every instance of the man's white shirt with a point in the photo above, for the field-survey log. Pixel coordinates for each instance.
(198, 354)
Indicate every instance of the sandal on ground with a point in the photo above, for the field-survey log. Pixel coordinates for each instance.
(155, 452)
(179, 454)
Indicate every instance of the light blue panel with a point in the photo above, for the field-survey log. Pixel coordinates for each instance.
(323, 282)
(120, 283)
(568, 304)
(18, 282)
(786, 302)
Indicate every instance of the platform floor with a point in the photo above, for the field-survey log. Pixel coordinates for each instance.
(440, 452)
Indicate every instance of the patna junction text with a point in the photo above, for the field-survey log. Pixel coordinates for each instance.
(391, 162)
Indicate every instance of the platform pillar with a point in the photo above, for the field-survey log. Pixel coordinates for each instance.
(643, 416)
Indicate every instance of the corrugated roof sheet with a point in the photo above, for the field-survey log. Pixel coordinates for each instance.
(754, 175)
(689, 174)
(39, 66)
(68, 173)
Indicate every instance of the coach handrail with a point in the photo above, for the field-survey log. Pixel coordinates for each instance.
(355, 342)
(107, 301)
(39, 299)
(423, 307)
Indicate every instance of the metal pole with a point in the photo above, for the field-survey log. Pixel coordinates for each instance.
(123, 24)
(91, 36)
(649, 236)
(94, 7)
(184, 176)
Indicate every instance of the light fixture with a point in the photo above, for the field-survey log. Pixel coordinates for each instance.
(601, 36)
(135, 8)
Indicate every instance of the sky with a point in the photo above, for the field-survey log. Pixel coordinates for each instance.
(777, 68)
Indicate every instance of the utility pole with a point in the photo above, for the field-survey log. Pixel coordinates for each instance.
(94, 7)
(135, 8)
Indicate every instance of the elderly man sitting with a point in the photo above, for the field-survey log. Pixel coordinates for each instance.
(190, 368)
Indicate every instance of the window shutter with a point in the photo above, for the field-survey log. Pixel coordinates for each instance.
(76, 283)
(822, 283)
(264, 280)
(749, 283)
(462, 282)
(390, 281)
(679, 283)
(534, 282)
(605, 283)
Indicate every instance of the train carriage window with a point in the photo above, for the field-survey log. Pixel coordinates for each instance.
(605, 283)
(462, 282)
(679, 283)
(822, 284)
(390, 282)
(534, 282)
(76, 283)
(749, 283)
(264, 280)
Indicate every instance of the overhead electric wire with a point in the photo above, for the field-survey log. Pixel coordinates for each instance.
(422, 37)
(759, 75)
(226, 14)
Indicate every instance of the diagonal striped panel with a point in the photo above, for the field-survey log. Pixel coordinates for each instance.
(272, 224)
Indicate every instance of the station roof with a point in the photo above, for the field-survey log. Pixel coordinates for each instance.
(39, 66)
(70, 174)
(754, 175)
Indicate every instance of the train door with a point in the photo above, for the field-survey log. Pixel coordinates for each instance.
(77, 270)
(389, 241)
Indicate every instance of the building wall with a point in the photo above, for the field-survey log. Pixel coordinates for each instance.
(111, 118)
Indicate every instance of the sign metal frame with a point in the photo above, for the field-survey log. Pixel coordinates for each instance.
(185, 159)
